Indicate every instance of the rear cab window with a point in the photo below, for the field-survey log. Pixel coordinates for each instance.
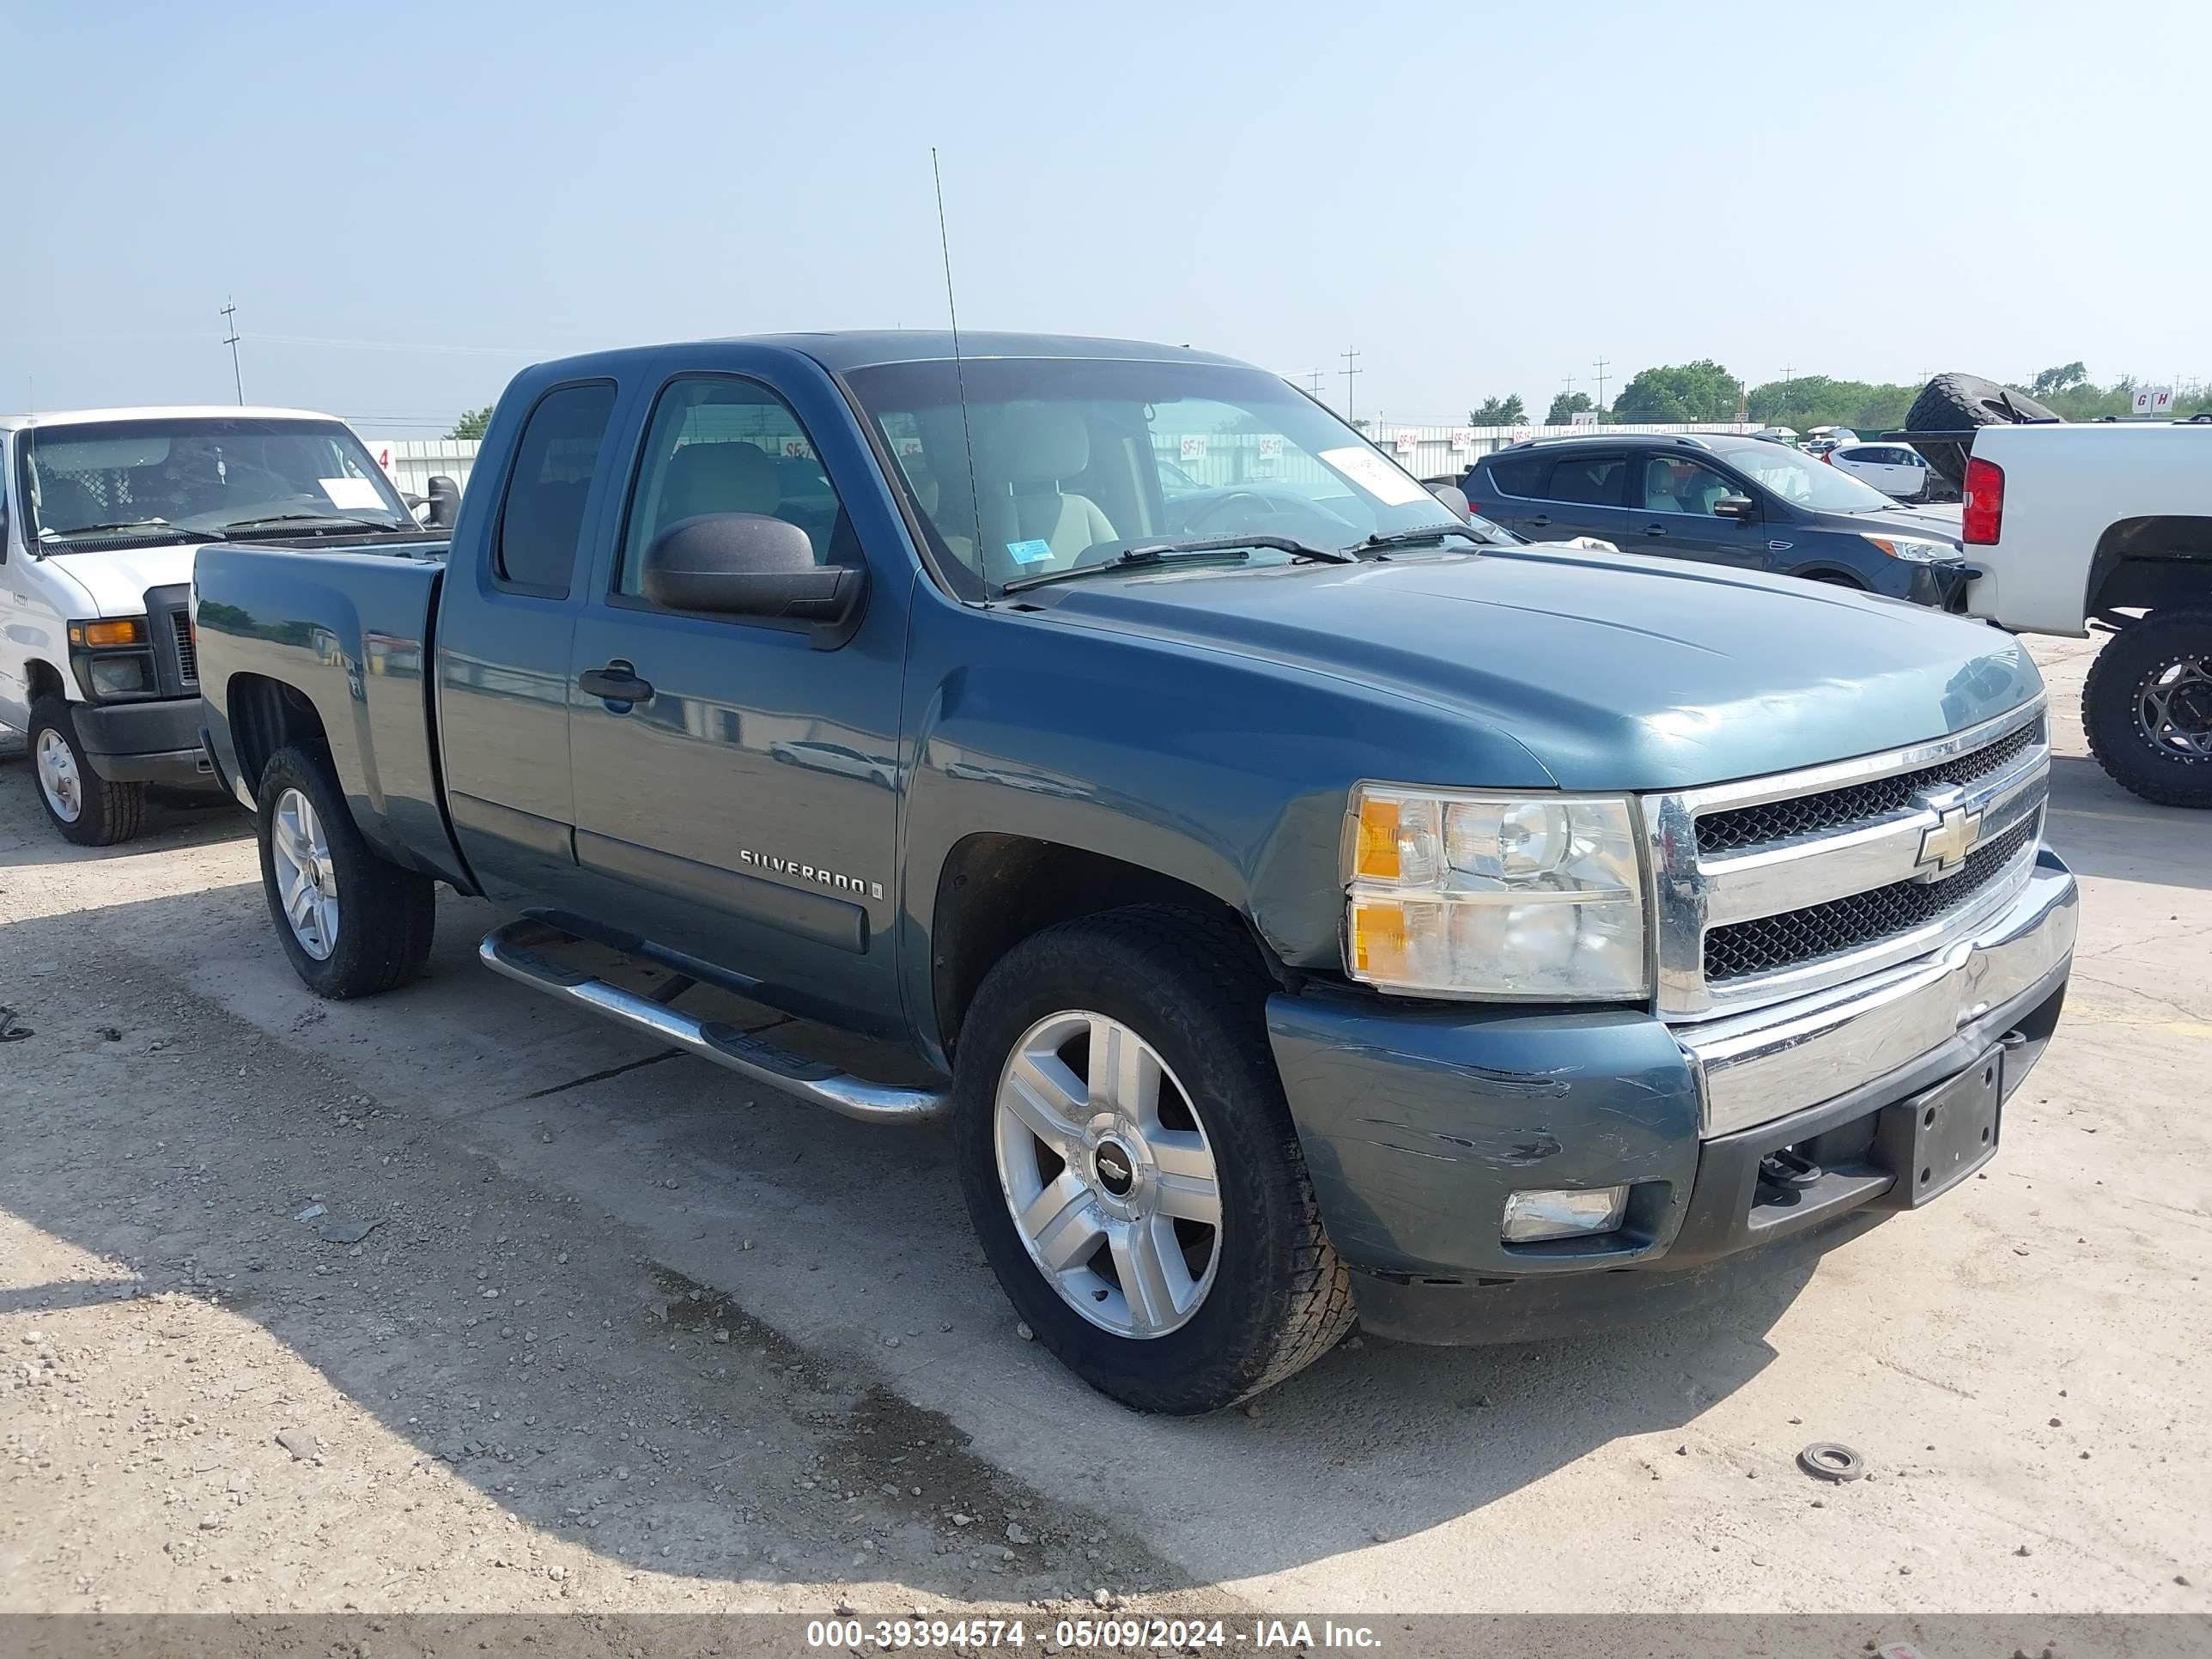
(540, 534)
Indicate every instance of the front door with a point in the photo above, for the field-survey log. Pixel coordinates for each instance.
(1673, 497)
(740, 803)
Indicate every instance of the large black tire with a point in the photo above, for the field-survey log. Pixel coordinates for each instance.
(2159, 768)
(386, 915)
(1950, 403)
(106, 813)
(1194, 991)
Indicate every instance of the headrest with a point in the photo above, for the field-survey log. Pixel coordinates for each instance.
(1033, 443)
(719, 478)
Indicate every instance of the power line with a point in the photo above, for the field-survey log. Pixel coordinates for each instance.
(230, 319)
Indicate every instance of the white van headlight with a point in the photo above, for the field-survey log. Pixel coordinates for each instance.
(1528, 897)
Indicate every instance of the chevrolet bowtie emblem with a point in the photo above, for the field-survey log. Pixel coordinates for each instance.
(1945, 843)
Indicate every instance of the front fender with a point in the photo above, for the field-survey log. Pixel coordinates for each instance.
(1225, 772)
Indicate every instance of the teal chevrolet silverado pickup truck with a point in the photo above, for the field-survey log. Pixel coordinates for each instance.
(1303, 904)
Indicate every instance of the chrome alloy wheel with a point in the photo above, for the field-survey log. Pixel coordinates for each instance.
(306, 886)
(1108, 1174)
(59, 777)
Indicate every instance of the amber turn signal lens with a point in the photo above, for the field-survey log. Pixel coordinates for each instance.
(129, 631)
(1377, 858)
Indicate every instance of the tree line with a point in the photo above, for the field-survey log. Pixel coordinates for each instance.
(1704, 391)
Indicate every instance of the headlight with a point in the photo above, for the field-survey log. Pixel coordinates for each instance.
(1534, 897)
(115, 676)
(1912, 547)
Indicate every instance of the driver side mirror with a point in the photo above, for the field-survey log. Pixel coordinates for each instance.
(1741, 508)
(1454, 498)
(746, 564)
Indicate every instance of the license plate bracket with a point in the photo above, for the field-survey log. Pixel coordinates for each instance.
(1939, 1137)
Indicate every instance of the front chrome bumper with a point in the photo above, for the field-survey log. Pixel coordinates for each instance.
(1758, 1066)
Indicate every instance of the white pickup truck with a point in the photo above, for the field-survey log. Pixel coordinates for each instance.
(2108, 524)
(100, 513)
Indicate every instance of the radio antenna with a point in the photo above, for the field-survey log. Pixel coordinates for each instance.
(959, 373)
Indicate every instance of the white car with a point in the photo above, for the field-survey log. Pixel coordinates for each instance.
(2110, 522)
(100, 513)
(1896, 470)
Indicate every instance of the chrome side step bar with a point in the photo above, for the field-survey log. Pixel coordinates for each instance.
(517, 950)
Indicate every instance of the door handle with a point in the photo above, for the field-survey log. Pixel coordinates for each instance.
(1655, 529)
(616, 682)
(1541, 519)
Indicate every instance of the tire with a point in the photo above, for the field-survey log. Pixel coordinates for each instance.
(1831, 579)
(2116, 701)
(1276, 1297)
(1952, 401)
(373, 934)
(105, 813)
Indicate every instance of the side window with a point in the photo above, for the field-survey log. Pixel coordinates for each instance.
(719, 445)
(1593, 480)
(541, 524)
(1676, 483)
(1521, 475)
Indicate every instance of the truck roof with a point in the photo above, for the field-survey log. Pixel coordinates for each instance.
(159, 412)
(840, 349)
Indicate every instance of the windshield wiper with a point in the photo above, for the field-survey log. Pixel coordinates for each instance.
(336, 521)
(1427, 533)
(1202, 547)
(121, 524)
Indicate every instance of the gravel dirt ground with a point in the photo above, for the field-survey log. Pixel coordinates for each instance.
(446, 1302)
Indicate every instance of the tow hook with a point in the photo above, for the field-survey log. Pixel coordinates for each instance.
(1789, 1168)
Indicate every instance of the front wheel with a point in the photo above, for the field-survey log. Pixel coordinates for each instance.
(353, 924)
(84, 806)
(1130, 1165)
(2146, 707)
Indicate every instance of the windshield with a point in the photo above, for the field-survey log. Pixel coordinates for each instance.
(197, 473)
(1077, 460)
(1799, 478)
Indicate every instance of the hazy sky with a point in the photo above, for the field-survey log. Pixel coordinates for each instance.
(409, 202)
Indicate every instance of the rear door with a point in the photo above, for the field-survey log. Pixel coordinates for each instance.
(741, 806)
(1504, 488)
(1583, 493)
(1674, 494)
(505, 631)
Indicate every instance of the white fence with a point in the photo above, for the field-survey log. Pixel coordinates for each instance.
(1207, 459)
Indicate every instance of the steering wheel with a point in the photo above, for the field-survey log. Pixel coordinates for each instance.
(1208, 511)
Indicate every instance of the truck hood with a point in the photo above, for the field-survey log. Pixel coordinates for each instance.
(1615, 672)
(117, 579)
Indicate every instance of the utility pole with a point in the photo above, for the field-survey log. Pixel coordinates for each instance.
(1787, 370)
(1348, 371)
(1312, 383)
(1601, 365)
(230, 319)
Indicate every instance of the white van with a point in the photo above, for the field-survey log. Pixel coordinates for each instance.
(100, 512)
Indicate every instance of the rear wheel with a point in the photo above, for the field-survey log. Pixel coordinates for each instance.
(1131, 1168)
(2147, 708)
(84, 806)
(353, 924)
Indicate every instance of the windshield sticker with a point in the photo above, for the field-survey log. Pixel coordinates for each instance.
(1375, 475)
(351, 494)
(1029, 552)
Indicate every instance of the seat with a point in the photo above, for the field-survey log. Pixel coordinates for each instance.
(1024, 453)
(724, 478)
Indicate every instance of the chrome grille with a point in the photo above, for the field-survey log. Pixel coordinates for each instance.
(1805, 815)
(1797, 938)
(1779, 886)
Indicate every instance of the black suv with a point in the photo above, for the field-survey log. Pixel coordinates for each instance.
(1732, 501)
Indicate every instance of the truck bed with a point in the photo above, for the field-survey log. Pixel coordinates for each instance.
(350, 630)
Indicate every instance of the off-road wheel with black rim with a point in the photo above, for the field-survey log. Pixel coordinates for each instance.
(2147, 708)
(84, 806)
(353, 924)
(1130, 1165)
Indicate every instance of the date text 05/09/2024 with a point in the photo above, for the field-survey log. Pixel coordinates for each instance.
(1135, 1635)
